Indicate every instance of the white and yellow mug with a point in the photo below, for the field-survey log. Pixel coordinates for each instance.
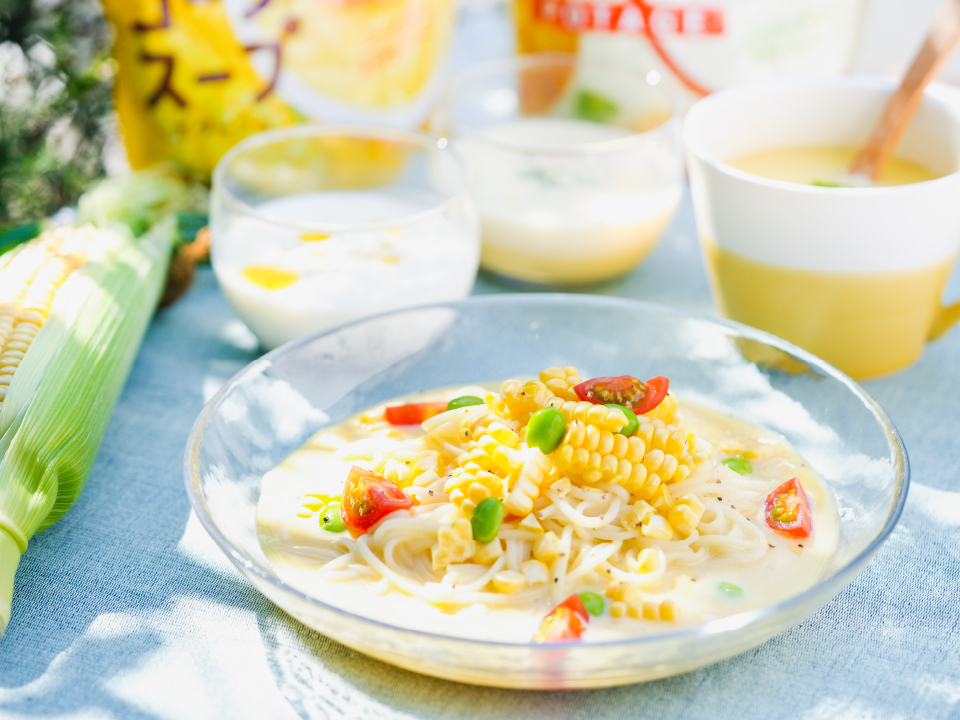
(855, 275)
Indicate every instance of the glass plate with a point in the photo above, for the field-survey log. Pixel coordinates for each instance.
(276, 403)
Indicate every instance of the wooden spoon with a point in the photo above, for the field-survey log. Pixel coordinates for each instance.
(900, 108)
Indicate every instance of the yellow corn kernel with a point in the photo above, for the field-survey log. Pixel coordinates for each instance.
(29, 281)
(474, 425)
(525, 487)
(621, 445)
(523, 399)
(547, 547)
(640, 484)
(576, 434)
(668, 468)
(669, 610)
(562, 486)
(640, 511)
(608, 466)
(561, 381)
(477, 493)
(693, 502)
(661, 500)
(648, 561)
(488, 444)
(530, 523)
(455, 544)
(666, 411)
(535, 572)
(479, 457)
(508, 581)
(494, 403)
(683, 520)
(686, 514)
(552, 373)
(487, 553)
(618, 609)
(603, 417)
(591, 438)
(398, 472)
(637, 448)
(654, 609)
(504, 435)
(507, 459)
(620, 591)
(473, 486)
(656, 527)
(653, 460)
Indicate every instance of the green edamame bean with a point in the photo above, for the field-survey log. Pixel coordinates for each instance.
(632, 423)
(486, 519)
(730, 589)
(592, 602)
(331, 519)
(545, 430)
(739, 465)
(464, 401)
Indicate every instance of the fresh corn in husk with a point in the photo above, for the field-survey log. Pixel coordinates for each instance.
(74, 305)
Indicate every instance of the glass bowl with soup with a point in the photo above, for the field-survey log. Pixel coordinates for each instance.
(576, 162)
(849, 269)
(314, 226)
(523, 491)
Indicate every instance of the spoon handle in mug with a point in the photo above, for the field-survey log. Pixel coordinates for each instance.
(944, 34)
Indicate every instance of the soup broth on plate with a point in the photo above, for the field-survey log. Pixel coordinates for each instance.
(665, 524)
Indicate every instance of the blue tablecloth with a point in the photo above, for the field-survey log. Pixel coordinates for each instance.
(126, 608)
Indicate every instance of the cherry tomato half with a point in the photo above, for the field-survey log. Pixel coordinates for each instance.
(624, 390)
(367, 497)
(787, 510)
(566, 621)
(413, 413)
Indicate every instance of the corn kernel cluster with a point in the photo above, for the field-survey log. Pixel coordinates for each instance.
(493, 460)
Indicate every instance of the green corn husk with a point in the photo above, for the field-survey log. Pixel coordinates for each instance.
(63, 392)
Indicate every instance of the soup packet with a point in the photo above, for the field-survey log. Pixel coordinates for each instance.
(195, 78)
(694, 47)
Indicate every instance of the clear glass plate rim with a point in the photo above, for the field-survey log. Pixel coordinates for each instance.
(832, 585)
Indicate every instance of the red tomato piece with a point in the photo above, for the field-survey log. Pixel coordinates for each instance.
(576, 604)
(566, 621)
(367, 497)
(656, 391)
(413, 413)
(787, 510)
(624, 390)
(560, 625)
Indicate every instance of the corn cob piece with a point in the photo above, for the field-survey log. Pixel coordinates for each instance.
(74, 305)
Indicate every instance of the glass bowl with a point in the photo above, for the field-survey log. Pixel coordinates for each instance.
(313, 226)
(275, 404)
(577, 164)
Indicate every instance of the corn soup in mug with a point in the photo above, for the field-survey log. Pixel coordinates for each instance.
(796, 246)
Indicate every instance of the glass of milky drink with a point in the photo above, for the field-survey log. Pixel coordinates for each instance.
(315, 226)
(577, 165)
(849, 269)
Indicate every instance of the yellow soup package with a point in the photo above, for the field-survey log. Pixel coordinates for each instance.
(195, 78)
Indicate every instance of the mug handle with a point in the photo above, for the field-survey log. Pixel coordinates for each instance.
(946, 319)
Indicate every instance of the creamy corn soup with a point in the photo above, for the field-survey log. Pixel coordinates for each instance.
(549, 510)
